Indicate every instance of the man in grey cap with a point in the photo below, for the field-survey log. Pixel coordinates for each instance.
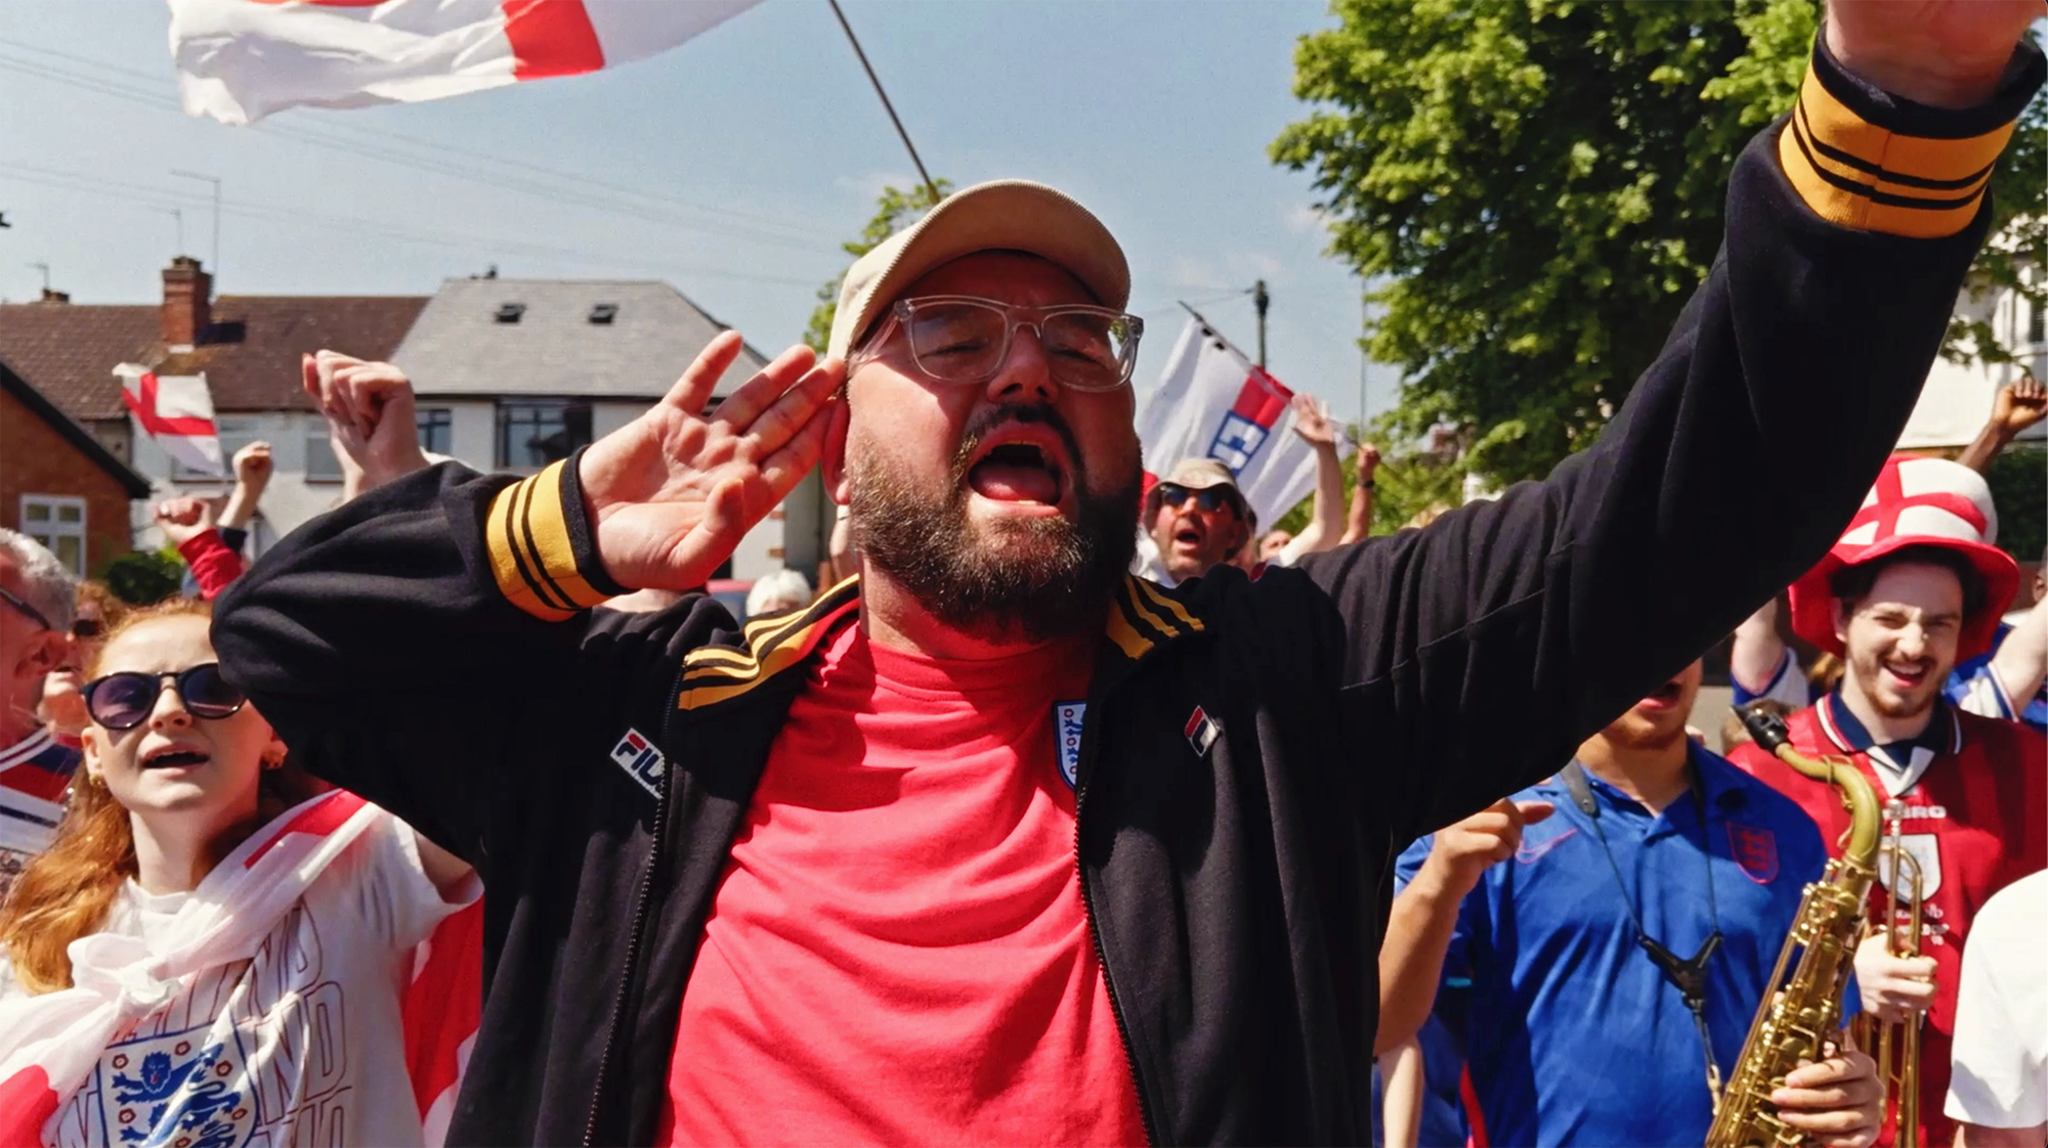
(998, 843)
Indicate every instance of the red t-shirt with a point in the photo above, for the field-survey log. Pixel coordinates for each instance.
(898, 952)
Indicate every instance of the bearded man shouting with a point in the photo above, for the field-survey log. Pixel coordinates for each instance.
(996, 843)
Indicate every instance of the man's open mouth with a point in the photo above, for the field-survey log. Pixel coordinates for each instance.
(1907, 676)
(174, 757)
(1018, 472)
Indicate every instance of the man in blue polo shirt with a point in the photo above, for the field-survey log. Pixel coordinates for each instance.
(1647, 865)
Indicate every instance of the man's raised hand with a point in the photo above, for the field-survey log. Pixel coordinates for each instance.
(670, 494)
(370, 416)
(2019, 405)
(1945, 53)
(1463, 851)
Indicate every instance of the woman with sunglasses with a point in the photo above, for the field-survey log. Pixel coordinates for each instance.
(63, 708)
(212, 948)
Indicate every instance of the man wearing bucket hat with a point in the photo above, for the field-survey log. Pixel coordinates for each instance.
(998, 843)
(1195, 518)
(1911, 587)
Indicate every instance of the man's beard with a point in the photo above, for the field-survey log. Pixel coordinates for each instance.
(1035, 579)
(1889, 700)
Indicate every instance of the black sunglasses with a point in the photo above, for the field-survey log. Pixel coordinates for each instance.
(125, 700)
(1209, 498)
(28, 611)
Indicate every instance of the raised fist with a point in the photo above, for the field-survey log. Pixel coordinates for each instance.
(1945, 53)
(2019, 405)
(369, 410)
(1368, 461)
(183, 519)
(252, 464)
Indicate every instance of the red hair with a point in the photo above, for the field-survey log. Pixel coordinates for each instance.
(65, 892)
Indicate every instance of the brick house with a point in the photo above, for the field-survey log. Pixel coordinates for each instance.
(248, 347)
(58, 483)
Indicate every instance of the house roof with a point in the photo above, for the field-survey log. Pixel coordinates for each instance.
(250, 353)
(69, 351)
(459, 346)
(80, 438)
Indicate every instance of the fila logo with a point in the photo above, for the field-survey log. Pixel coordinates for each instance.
(641, 761)
(1067, 718)
(1201, 731)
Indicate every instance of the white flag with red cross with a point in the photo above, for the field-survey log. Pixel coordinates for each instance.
(241, 60)
(176, 411)
(1212, 402)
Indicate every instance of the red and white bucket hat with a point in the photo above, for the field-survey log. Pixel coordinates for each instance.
(1915, 502)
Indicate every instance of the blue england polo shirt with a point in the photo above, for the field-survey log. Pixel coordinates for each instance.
(1573, 1036)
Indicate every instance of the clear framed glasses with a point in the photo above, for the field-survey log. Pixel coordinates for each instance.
(966, 339)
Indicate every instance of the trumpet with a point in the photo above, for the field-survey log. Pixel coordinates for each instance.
(1896, 1044)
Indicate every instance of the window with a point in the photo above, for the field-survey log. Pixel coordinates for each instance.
(235, 433)
(534, 433)
(321, 463)
(2037, 325)
(509, 312)
(437, 429)
(58, 522)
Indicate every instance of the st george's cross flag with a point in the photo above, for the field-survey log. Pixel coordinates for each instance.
(241, 60)
(177, 412)
(1214, 403)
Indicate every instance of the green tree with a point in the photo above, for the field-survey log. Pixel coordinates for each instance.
(1539, 186)
(145, 577)
(894, 210)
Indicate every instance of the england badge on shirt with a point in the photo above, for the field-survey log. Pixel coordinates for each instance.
(1066, 731)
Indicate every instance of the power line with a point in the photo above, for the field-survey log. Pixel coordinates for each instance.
(741, 224)
(163, 200)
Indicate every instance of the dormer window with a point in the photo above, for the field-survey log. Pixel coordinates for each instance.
(602, 314)
(509, 312)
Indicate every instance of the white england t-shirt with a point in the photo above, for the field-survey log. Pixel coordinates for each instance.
(2001, 1043)
(318, 1049)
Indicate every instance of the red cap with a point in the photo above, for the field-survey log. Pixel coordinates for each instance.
(1916, 502)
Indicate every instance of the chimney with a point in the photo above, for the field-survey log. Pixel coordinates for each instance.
(188, 302)
(54, 296)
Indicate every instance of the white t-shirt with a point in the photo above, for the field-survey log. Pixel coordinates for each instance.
(319, 1049)
(2000, 1078)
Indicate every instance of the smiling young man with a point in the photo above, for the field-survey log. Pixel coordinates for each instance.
(1538, 912)
(1911, 588)
(998, 843)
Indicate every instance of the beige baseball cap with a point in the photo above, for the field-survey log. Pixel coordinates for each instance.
(1001, 215)
(1199, 473)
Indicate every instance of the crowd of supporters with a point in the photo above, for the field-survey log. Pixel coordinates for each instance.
(468, 814)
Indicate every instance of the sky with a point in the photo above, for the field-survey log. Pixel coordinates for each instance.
(731, 167)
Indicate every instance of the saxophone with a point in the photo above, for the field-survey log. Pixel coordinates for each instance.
(1795, 1019)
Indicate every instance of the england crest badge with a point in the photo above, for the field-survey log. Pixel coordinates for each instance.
(1066, 731)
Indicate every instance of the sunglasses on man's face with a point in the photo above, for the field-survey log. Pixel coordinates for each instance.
(1209, 498)
(125, 700)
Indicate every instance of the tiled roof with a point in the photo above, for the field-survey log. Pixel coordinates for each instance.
(651, 332)
(250, 354)
(69, 351)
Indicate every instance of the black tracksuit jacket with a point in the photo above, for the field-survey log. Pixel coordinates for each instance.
(427, 646)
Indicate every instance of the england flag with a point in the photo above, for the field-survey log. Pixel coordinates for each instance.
(176, 411)
(241, 60)
(1213, 403)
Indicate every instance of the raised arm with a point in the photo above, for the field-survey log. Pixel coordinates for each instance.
(1424, 918)
(1358, 524)
(1555, 607)
(2017, 406)
(400, 642)
(1326, 514)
